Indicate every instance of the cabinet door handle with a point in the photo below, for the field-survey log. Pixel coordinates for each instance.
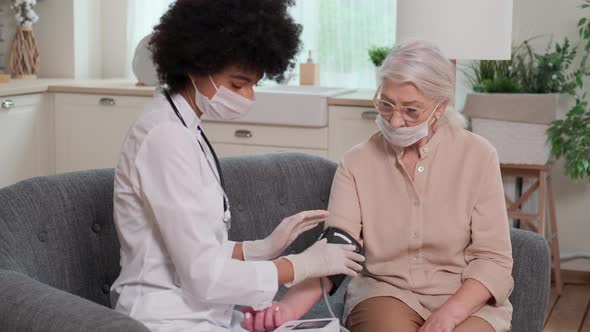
(243, 133)
(107, 102)
(369, 115)
(7, 104)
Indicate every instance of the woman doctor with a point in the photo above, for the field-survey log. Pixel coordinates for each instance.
(179, 271)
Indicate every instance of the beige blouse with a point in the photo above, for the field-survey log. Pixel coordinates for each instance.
(423, 238)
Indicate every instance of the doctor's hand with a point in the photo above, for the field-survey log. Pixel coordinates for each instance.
(287, 231)
(325, 259)
(268, 319)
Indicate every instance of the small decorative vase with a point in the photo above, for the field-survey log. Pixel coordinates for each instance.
(24, 54)
(377, 79)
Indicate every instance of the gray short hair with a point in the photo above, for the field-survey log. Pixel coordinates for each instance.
(422, 64)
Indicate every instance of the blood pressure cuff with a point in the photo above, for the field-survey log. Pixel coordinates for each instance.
(339, 236)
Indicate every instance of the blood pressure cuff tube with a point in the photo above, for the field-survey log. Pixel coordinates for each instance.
(339, 236)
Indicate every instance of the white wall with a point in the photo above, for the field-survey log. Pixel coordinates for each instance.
(7, 31)
(55, 38)
(68, 36)
(114, 38)
(88, 39)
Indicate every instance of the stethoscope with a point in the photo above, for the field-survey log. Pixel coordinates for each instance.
(220, 182)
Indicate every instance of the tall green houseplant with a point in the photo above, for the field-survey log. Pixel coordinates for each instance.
(570, 137)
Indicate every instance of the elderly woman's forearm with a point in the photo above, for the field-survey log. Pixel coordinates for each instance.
(302, 297)
(469, 298)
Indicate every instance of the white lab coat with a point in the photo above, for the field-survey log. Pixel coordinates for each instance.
(177, 273)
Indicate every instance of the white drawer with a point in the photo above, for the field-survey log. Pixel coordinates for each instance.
(17, 102)
(100, 100)
(224, 150)
(292, 137)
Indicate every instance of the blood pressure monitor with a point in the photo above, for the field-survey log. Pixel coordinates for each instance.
(311, 325)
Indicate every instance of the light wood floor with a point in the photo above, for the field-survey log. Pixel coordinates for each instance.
(569, 312)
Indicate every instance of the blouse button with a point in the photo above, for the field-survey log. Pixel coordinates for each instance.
(426, 150)
(420, 168)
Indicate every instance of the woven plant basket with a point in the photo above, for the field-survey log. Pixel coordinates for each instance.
(515, 124)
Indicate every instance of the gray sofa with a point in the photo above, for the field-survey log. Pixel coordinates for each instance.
(59, 252)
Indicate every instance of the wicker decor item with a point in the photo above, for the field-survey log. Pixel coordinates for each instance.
(24, 54)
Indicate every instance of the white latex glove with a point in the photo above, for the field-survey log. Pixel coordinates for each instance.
(287, 231)
(324, 259)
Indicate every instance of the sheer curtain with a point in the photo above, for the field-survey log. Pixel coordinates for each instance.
(142, 17)
(339, 33)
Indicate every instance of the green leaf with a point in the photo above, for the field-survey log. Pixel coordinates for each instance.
(582, 21)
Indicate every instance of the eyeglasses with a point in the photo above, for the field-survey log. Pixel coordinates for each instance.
(386, 109)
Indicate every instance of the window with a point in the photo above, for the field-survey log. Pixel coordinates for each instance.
(339, 33)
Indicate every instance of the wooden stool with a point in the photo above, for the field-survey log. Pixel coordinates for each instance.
(536, 221)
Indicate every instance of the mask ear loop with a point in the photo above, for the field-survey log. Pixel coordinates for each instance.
(433, 115)
(194, 85)
(211, 79)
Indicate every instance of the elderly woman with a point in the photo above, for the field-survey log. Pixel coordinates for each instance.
(425, 198)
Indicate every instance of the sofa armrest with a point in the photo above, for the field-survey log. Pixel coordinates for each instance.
(532, 280)
(29, 305)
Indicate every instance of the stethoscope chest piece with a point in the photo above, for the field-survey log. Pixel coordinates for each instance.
(227, 219)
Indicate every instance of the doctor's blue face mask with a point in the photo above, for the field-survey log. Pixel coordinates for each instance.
(225, 104)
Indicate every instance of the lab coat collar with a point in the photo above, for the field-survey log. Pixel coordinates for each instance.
(186, 111)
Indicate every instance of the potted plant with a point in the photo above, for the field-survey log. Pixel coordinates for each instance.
(377, 54)
(515, 101)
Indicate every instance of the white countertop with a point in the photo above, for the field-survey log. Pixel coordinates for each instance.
(108, 86)
(126, 87)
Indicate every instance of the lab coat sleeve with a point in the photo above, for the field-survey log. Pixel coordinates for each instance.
(170, 177)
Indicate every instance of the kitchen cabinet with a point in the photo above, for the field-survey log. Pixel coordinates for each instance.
(234, 139)
(349, 126)
(90, 129)
(26, 126)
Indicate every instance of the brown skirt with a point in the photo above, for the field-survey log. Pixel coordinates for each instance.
(387, 314)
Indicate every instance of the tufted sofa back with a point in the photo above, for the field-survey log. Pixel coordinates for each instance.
(59, 229)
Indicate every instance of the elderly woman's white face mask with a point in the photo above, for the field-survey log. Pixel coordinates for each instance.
(402, 136)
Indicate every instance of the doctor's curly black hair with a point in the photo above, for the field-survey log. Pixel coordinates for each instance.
(204, 37)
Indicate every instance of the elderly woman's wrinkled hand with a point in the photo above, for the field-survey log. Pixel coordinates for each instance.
(442, 320)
